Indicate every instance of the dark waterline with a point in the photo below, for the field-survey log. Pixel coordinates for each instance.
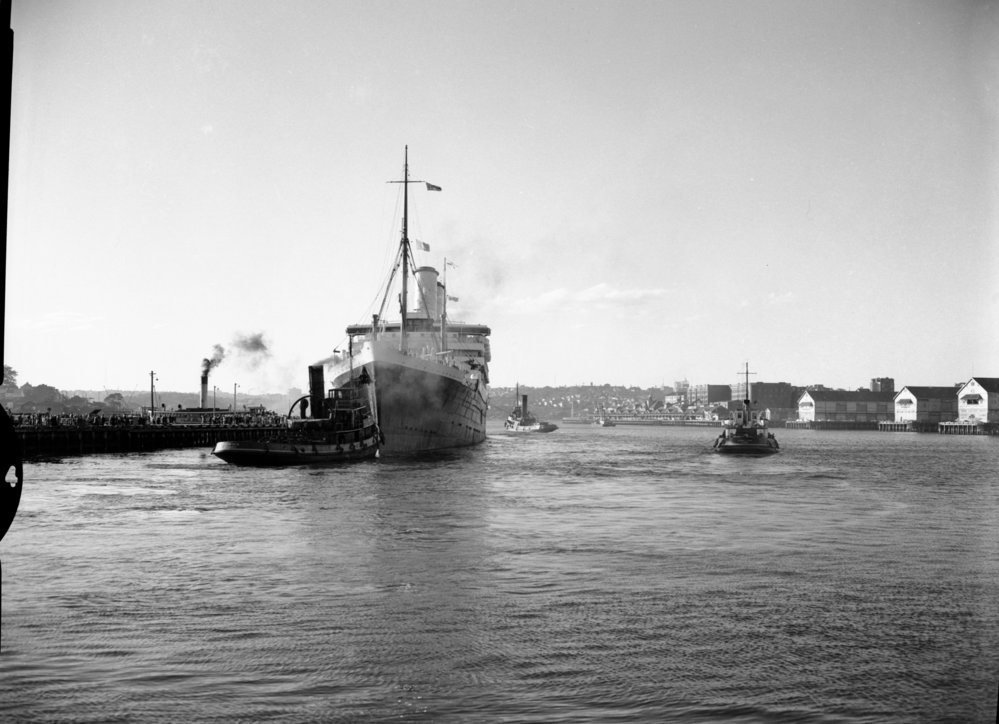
(592, 574)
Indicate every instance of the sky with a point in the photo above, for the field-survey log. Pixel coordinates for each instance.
(634, 192)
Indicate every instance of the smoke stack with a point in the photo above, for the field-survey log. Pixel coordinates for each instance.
(426, 302)
(204, 390)
(316, 391)
(523, 404)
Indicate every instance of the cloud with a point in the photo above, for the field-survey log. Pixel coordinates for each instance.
(600, 296)
(786, 298)
(61, 320)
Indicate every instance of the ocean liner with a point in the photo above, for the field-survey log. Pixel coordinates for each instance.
(429, 376)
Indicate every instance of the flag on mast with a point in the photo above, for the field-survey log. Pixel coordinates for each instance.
(432, 187)
(422, 246)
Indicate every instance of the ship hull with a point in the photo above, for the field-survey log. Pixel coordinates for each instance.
(753, 448)
(753, 442)
(421, 405)
(536, 427)
(275, 454)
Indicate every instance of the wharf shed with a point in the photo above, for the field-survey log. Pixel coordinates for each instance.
(842, 406)
(926, 404)
(978, 400)
(780, 398)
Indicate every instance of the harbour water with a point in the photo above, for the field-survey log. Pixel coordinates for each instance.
(588, 575)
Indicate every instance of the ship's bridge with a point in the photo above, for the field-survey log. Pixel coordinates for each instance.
(421, 324)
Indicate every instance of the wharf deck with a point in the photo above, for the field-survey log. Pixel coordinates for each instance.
(42, 442)
(946, 428)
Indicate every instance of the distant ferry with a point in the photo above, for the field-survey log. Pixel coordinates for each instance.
(429, 376)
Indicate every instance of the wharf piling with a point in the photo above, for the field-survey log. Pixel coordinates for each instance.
(968, 428)
(908, 426)
(831, 425)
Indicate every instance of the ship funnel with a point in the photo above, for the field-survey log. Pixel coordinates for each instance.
(317, 383)
(523, 404)
(204, 391)
(426, 300)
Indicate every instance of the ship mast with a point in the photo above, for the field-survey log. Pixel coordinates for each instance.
(404, 245)
(405, 248)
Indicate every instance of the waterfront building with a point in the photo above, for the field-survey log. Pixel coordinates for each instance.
(978, 400)
(883, 384)
(780, 398)
(926, 404)
(842, 406)
(709, 394)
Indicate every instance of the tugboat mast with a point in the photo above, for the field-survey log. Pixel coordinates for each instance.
(748, 397)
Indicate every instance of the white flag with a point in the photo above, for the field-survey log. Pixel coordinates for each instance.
(421, 246)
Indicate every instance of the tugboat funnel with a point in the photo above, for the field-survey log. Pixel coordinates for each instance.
(316, 392)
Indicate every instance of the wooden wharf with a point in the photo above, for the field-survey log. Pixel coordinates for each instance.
(944, 428)
(831, 425)
(42, 442)
(654, 419)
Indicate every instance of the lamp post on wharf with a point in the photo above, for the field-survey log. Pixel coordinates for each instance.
(215, 389)
(152, 394)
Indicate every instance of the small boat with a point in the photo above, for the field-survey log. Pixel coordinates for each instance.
(605, 422)
(746, 431)
(521, 420)
(342, 430)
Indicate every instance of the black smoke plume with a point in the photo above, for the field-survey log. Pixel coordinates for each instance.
(218, 354)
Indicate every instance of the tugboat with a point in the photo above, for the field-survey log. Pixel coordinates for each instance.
(746, 431)
(521, 420)
(603, 421)
(341, 429)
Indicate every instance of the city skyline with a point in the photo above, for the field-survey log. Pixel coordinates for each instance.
(640, 191)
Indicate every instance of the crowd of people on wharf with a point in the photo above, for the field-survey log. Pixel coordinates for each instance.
(256, 418)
